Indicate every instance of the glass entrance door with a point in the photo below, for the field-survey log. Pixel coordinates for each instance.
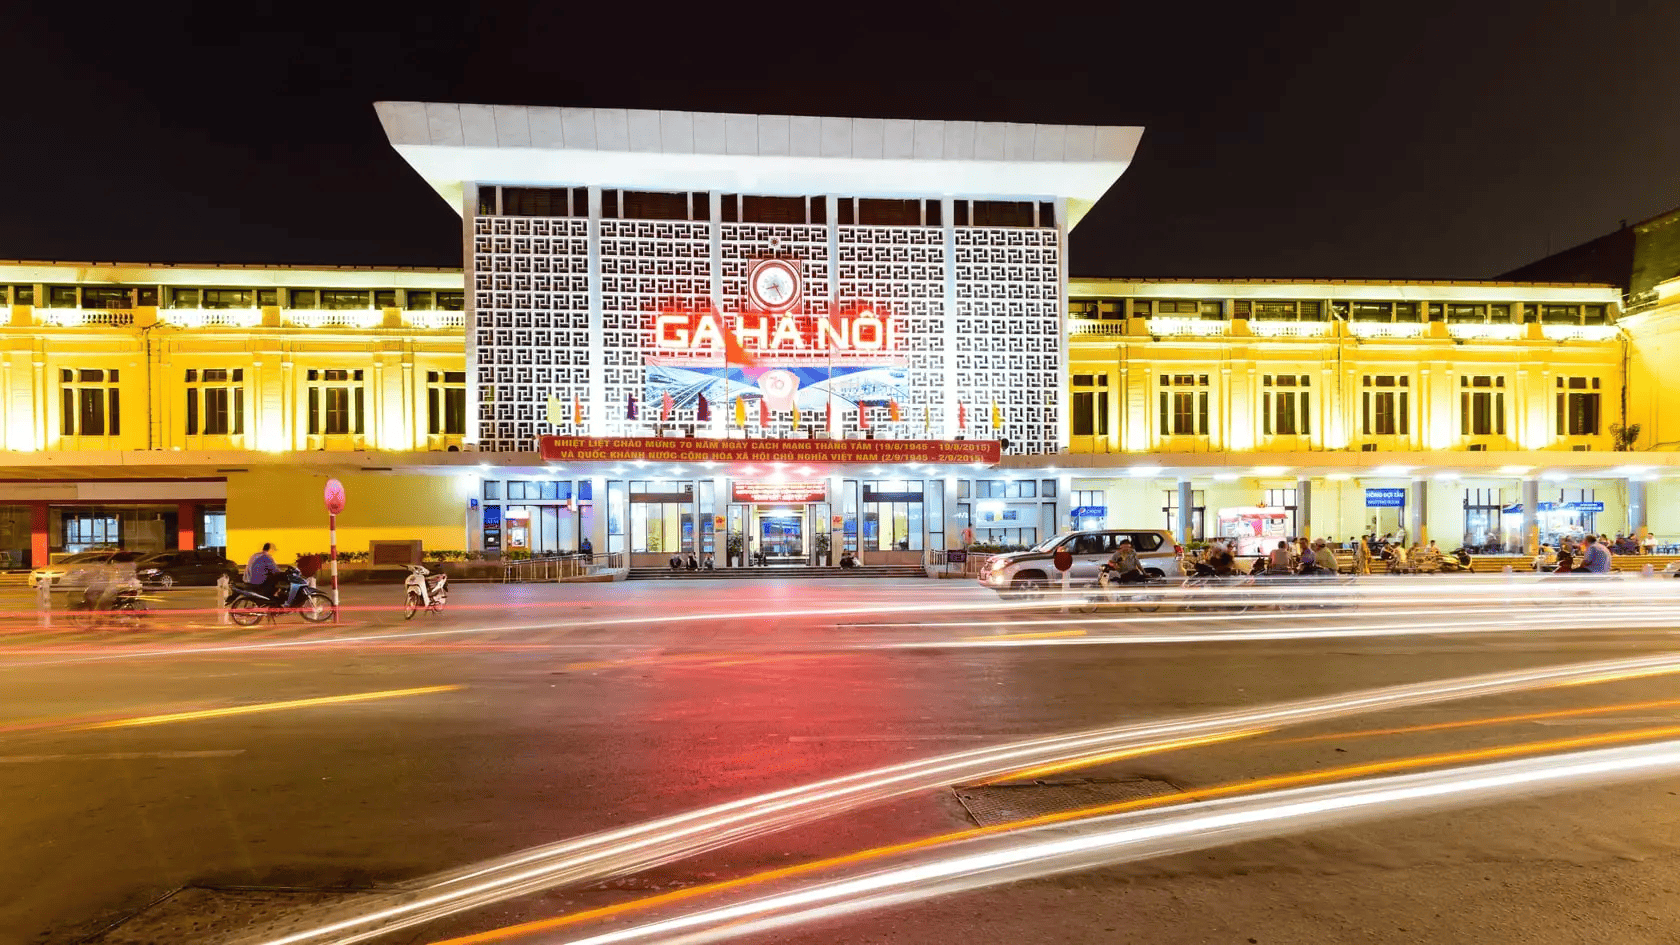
(781, 534)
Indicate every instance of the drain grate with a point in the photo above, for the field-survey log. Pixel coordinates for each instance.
(993, 805)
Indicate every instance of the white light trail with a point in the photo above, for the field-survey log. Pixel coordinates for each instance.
(616, 852)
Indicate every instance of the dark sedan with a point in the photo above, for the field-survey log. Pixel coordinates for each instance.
(171, 568)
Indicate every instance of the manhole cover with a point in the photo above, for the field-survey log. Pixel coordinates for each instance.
(993, 805)
(200, 914)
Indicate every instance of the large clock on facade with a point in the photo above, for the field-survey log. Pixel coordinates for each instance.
(773, 285)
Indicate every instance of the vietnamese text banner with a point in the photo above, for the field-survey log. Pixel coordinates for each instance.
(693, 450)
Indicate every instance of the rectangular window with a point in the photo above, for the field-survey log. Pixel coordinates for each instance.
(90, 403)
(107, 298)
(1578, 406)
(344, 299)
(227, 298)
(775, 209)
(1001, 213)
(652, 205)
(446, 402)
(890, 212)
(335, 402)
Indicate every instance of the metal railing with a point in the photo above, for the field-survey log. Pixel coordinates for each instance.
(967, 562)
(558, 567)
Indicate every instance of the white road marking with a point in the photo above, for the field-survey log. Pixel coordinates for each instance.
(121, 756)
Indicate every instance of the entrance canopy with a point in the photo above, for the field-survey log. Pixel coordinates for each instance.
(450, 145)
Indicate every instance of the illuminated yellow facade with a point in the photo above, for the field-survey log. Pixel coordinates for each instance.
(204, 406)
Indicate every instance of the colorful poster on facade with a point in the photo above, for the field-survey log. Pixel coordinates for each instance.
(783, 358)
(810, 387)
(770, 450)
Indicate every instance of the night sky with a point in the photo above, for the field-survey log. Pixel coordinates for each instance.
(1403, 140)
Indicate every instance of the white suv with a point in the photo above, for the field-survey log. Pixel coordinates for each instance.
(1032, 569)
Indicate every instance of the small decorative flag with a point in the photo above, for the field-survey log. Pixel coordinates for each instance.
(863, 416)
(666, 405)
(556, 410)
(796, 416)
(740, 412)
(997, 417)
(703, 409)
(828, 415)
(630, 406)
(962, 416)
(927, 419)
(892, 410)
(763, 413)
(577, 410)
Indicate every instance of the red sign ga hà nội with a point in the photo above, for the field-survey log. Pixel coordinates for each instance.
(582, 449)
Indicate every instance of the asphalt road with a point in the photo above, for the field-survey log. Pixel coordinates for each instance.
(378, 750)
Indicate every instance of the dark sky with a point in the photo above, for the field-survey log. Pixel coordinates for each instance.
(1392, 139)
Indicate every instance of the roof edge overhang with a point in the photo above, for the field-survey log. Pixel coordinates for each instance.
(450, 145)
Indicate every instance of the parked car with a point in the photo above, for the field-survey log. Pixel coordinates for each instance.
(169, 568)
(73, 571)
(1031, 569)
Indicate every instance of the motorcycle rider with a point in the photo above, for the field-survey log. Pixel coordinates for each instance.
(1125, 564)
(106, 581)
(262, 573)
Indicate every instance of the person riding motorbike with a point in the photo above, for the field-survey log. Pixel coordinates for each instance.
(1124, 565)
(105, 582)
(262, 573)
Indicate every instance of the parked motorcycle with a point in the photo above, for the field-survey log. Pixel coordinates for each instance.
(424, 590)
(247, 604)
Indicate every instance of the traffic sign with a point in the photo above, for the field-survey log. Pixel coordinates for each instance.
(334, 497)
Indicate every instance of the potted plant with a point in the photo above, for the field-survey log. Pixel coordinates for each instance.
(736, 548)
(819, 548)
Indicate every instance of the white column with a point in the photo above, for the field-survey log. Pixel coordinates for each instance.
(1531, 515)
(1186, 495)
(469, 303)
(596, 418)
(1303, 507)
(1417, 510)
(948, 324)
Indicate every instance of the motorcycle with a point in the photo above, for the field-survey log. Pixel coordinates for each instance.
(1145, 595)
(424, 590)
(125, 610)
(247, 604)
(1457, 562)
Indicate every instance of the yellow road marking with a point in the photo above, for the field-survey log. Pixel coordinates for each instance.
(264, 707)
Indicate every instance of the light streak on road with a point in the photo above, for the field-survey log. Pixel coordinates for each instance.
(1126, 837)
(638, 847)
(1230, 789)
(253, 709)
(1486, 720)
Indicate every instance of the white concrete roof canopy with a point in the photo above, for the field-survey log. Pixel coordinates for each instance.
(634, 149)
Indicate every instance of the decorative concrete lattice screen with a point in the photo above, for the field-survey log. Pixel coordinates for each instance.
(900, 270)
(647, 267)
(1007, 335)
(530, 325)
(530, 331)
